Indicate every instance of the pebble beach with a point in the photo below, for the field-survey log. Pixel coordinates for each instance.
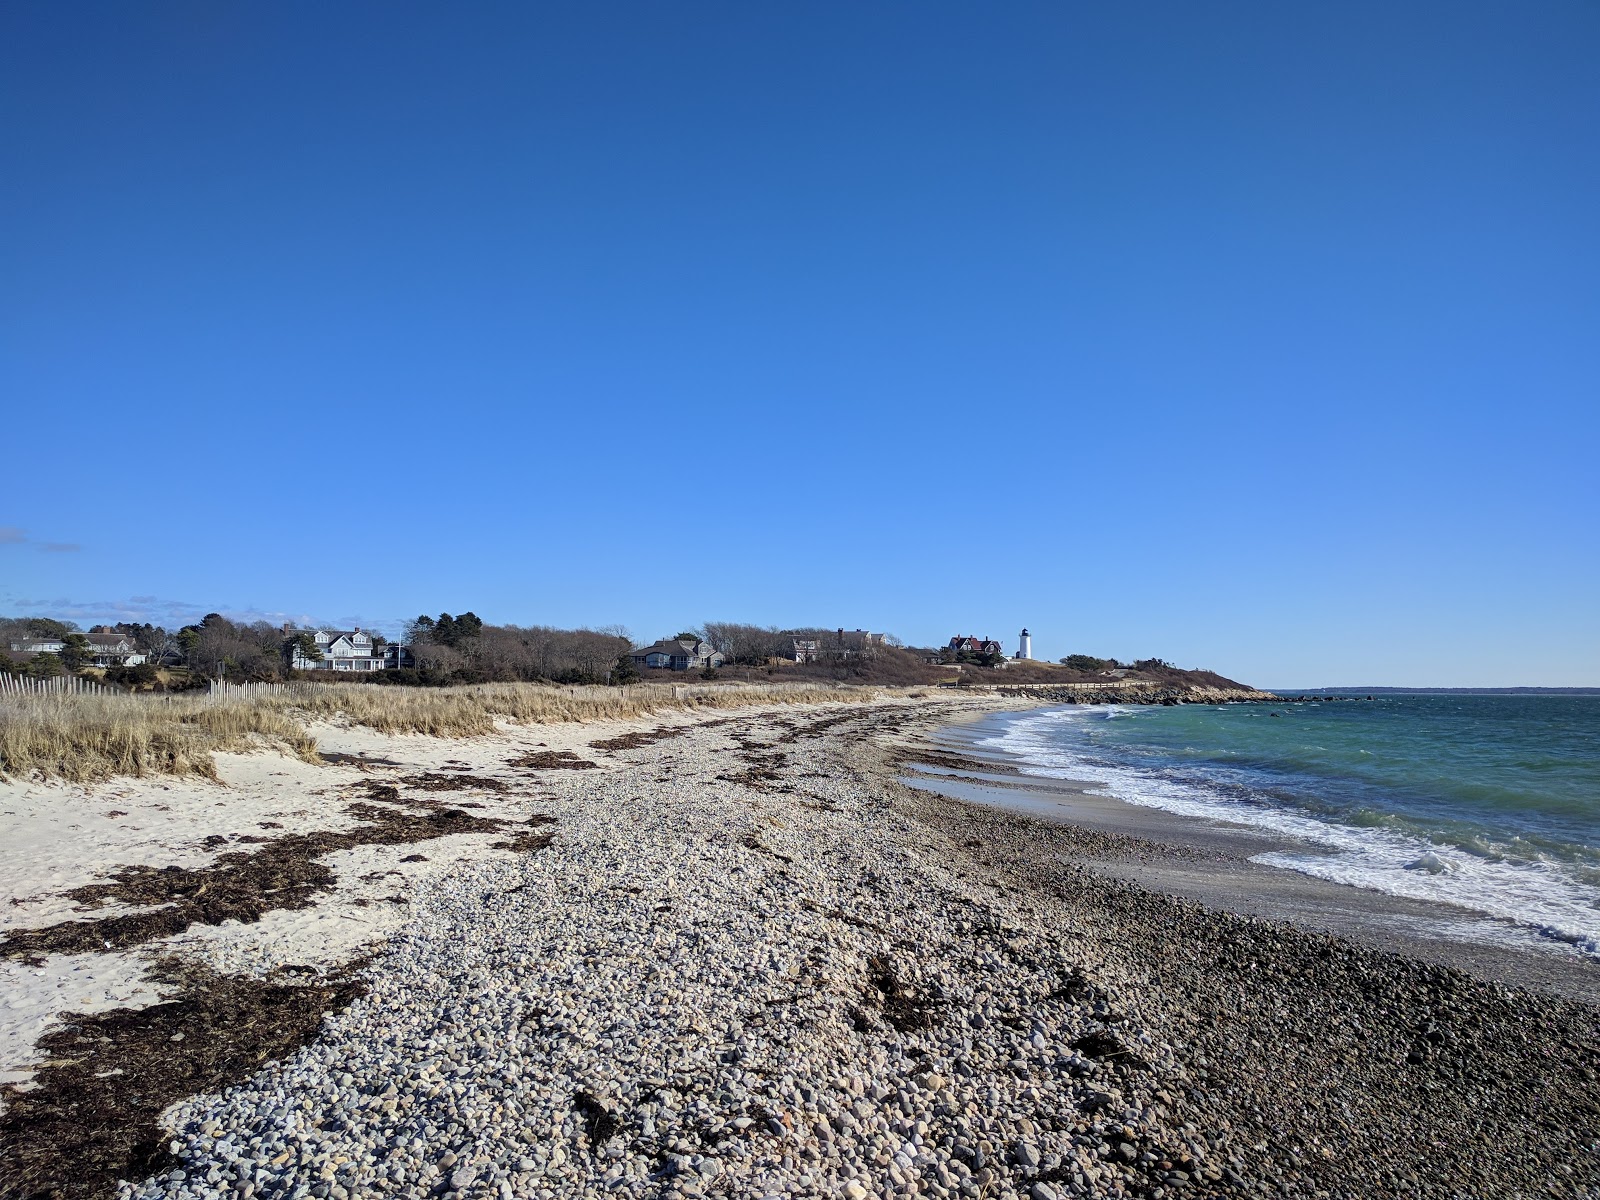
(736, 956)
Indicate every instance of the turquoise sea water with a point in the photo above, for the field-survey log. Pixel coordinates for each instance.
(1489, 803)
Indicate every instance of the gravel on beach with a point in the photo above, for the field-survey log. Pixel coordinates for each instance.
(745, 961)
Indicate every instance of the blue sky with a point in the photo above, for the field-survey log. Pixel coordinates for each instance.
(1259, 337)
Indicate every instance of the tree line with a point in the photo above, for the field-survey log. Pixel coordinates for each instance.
(445, 649)
(464, 649)
(758, 645)
(211, 648)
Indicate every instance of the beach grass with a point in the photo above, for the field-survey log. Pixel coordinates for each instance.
(473, 710)
(80, 738)
(83, 738)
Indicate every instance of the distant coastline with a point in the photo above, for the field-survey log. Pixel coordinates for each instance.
(1445, 691)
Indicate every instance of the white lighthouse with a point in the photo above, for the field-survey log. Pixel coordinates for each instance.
(1025, 646)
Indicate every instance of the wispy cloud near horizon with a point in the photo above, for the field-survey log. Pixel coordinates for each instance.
(137, 609)
(13, 535)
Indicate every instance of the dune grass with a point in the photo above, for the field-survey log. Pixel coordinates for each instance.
(473, 710)
(83, 738)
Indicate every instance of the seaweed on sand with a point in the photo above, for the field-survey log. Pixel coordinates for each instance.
(645, 737)
(92, 1117)
(903, 1005)
(532, 837)
(286, 873)
(433, 781)
(552, 760)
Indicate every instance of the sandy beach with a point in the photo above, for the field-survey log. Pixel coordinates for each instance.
(732, 953)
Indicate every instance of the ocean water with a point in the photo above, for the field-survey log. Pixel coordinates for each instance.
(1488, 803)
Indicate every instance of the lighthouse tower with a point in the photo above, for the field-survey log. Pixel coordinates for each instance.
(1025, 646)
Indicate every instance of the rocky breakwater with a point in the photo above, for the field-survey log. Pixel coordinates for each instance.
(1132, 693)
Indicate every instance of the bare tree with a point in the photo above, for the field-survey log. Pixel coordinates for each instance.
(752, 645)
(218, 647)
(158, 645)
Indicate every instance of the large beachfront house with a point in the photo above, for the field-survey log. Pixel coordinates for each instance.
(112, 649)
(972, 645)
(107, 648)
(341, 649)
(678, 655)
(40, 643)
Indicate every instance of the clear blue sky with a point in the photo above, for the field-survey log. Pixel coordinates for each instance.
(1259, 337)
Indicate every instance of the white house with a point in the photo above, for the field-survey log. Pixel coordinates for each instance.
(112, 649)
(675, 655)
(342, 650)
(106, 647)
(38, 644)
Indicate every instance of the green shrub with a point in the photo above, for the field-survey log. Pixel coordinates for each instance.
(1084, 662)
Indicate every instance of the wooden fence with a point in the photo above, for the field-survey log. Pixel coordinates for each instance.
(76, 685)
(223, 690)
(220, 689)
(59, 685)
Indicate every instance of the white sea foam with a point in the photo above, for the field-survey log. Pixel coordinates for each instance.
(1541, 898)
(1432, 864)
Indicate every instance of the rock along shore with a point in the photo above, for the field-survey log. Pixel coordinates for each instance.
(742, 960)
(1135, 693)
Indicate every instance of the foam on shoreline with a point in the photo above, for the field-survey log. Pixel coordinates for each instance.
(1532, 902)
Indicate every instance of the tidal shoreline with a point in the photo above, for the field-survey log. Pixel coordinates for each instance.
(1209, 861)
(734, 955)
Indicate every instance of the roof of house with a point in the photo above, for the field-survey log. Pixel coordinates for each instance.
(108, 641)
(958, 642)
(673, 646)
